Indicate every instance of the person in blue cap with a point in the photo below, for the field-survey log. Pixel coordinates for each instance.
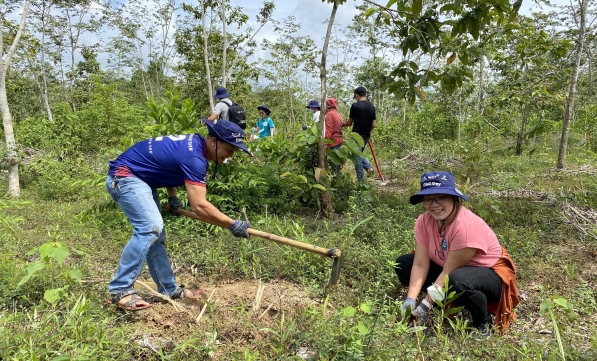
(132, 182)
(314, 109)
(453, 241)
(220, 110)
(265, 125)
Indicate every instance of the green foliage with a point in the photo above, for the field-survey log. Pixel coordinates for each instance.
(172, 116)
(57, 252)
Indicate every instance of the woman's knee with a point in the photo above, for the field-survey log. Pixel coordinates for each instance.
(457, 280)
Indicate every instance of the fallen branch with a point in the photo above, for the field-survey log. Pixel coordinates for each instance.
(176, 306)
(205, 306)
(271, 305)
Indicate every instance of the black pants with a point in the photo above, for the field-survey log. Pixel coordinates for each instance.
(478, 285)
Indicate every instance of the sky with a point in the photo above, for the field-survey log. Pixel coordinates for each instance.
(311, 14)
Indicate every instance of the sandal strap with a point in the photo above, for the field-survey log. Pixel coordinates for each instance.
(180, 292)
(116, 297)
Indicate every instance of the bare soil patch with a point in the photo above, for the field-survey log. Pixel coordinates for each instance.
(239, 310)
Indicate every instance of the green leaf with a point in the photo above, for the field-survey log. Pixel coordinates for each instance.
(417, 7)
(302, 178)
(76, 274)
(365, 308)
(363, 330)
(53, 296)
(24, 280)
(357, 137)
(561, 301)
(54, 250)
(319, 186)
(349, 311)
(285, 174)
(369, 12)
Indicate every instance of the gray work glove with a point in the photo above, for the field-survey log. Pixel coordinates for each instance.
(408, 305)
(240, 229)
(174, 204)
(421, 312)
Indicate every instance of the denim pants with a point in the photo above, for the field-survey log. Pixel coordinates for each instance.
(362, 163)
(141, 204)
(479, 285)
(336, 167)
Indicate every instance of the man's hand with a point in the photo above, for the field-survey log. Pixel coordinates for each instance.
(240, 229)
(174, 204)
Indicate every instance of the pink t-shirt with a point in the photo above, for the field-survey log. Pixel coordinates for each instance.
(467, 231)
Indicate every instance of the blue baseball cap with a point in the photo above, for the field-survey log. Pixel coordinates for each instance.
(437, 182)
(227, 132)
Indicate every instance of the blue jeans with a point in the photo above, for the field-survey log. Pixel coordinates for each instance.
(336, 167)
(362, 163)
(141, 204)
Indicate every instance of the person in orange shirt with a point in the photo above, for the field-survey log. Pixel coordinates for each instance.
(333, 127)
(453, 241)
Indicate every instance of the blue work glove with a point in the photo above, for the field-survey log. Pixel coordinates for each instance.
(240, 229)
(408, 304)
(174, 204)
(421, 311)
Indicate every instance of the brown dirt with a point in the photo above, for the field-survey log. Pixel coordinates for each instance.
(230, 311)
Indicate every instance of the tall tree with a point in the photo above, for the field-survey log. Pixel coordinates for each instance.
(326, 198)
(14, 188)
(583, 5)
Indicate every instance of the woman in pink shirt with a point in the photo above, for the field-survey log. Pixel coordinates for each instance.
(451, 240)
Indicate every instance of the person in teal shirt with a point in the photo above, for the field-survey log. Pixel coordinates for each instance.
(265, 125)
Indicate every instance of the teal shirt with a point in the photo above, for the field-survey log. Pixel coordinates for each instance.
(264, 126)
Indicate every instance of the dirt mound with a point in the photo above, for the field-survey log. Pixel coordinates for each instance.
(237, 309)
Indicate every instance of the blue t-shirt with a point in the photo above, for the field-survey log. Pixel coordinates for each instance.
(168, 161)
(264, 126)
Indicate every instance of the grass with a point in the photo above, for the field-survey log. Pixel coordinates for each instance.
(354, 321)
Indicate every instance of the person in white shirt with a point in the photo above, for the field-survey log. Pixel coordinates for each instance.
(314, 108)
(220, 110)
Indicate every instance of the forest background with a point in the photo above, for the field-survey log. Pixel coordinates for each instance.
(501, 97)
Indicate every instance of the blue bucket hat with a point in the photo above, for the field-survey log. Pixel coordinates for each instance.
(437, 182)
(313, 104)
(264, 108)
(227, 132)
(221, 92)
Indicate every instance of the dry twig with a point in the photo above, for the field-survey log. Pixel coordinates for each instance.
(176, 306)
(205, 306)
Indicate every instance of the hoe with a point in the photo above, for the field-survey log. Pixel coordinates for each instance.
(334, 253)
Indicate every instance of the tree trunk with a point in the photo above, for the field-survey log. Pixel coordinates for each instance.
(520, 137)
(326, 198)
(206, 57)
(480, 94)
(43, 62)
(224, 42)
(572, 94)
(13, 162)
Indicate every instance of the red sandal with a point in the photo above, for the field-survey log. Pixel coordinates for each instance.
(132, 304)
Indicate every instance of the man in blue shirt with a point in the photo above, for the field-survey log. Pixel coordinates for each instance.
(133, 179)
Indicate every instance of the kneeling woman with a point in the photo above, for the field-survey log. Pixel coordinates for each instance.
(451, 240)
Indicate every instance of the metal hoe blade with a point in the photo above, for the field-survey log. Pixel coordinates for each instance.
(338, 260)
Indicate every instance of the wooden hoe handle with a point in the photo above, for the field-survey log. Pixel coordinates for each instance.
(332, 252)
